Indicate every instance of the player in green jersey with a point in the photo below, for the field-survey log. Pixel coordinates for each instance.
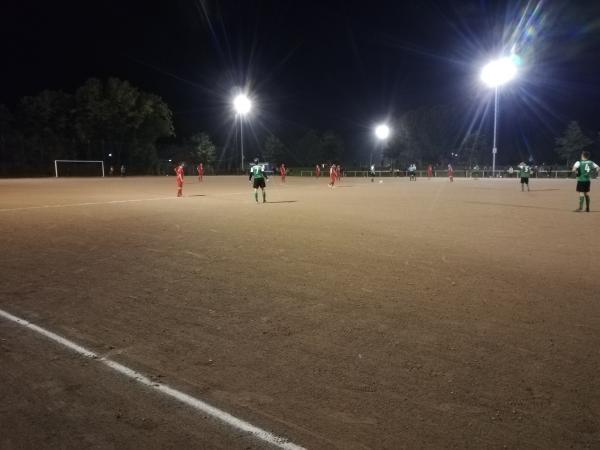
(258, 173)
(583, 168)
(524, 172)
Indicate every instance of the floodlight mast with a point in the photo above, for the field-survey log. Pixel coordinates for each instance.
(242, 142)
(494, 75)
(242, 106)
(494, 146)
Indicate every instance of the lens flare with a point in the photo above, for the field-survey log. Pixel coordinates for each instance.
(242, 104)
(500, 71)
(382, 132)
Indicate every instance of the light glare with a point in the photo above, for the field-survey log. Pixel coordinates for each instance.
(499, 72)
(242, 104)
(382, 132)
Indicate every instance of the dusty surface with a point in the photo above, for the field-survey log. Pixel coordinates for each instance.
(397, 315)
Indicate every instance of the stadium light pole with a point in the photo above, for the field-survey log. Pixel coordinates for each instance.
(495, 74)
(242, 106)
(382, 133)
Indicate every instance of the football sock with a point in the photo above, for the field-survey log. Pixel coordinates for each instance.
(264, 196)
(256, 196)
(581, 202)
(587, 202)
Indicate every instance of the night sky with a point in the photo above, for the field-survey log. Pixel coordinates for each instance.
(341, 65)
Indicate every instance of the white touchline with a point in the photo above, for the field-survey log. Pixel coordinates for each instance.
(182, 397)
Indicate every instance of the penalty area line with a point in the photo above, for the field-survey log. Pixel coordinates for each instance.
(182, 397)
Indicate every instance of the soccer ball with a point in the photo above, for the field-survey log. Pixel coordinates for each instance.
(380, 181)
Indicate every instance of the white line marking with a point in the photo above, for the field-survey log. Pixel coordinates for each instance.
(182, 397)
(50, 335)
(67, 205)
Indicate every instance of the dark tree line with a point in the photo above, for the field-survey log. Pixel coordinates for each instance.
(426, 135)
(100, 118)
(293, 149)
(113, 117)
(436, 135)
(571, 143)
(306, 149)
(192, 150)
(433, 135)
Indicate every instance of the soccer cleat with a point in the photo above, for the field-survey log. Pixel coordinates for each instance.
(578, 210)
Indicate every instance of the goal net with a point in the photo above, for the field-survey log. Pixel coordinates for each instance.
(78, 168)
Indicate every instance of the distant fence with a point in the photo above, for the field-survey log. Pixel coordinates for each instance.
(443, 173)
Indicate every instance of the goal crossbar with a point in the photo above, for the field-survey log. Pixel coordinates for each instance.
(56, 161)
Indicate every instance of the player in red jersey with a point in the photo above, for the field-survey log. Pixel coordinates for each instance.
(200, 170)
(318, 171)
(450, 172)
(282, 172)
(429, 171)
(338, 173)
(179, 179)
(332, 175)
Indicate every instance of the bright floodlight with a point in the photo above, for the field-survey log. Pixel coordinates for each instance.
(382, 132)
(499, 72)
(242, 104)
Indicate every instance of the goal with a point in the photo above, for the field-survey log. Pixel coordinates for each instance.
(78, 168)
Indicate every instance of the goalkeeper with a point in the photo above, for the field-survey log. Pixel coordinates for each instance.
(258, 173)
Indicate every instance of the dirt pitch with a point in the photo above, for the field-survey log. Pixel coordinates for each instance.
(404, 314)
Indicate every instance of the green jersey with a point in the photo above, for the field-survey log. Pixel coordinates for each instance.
(257, 172)
(585, 168)
(524, 171)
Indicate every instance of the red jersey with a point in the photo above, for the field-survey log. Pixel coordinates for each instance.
(318, 170)
(200, 169)
(179, 173)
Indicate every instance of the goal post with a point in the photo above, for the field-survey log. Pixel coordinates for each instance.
(78, 162)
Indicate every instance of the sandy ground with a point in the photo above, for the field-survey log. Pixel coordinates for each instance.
(404, 314)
